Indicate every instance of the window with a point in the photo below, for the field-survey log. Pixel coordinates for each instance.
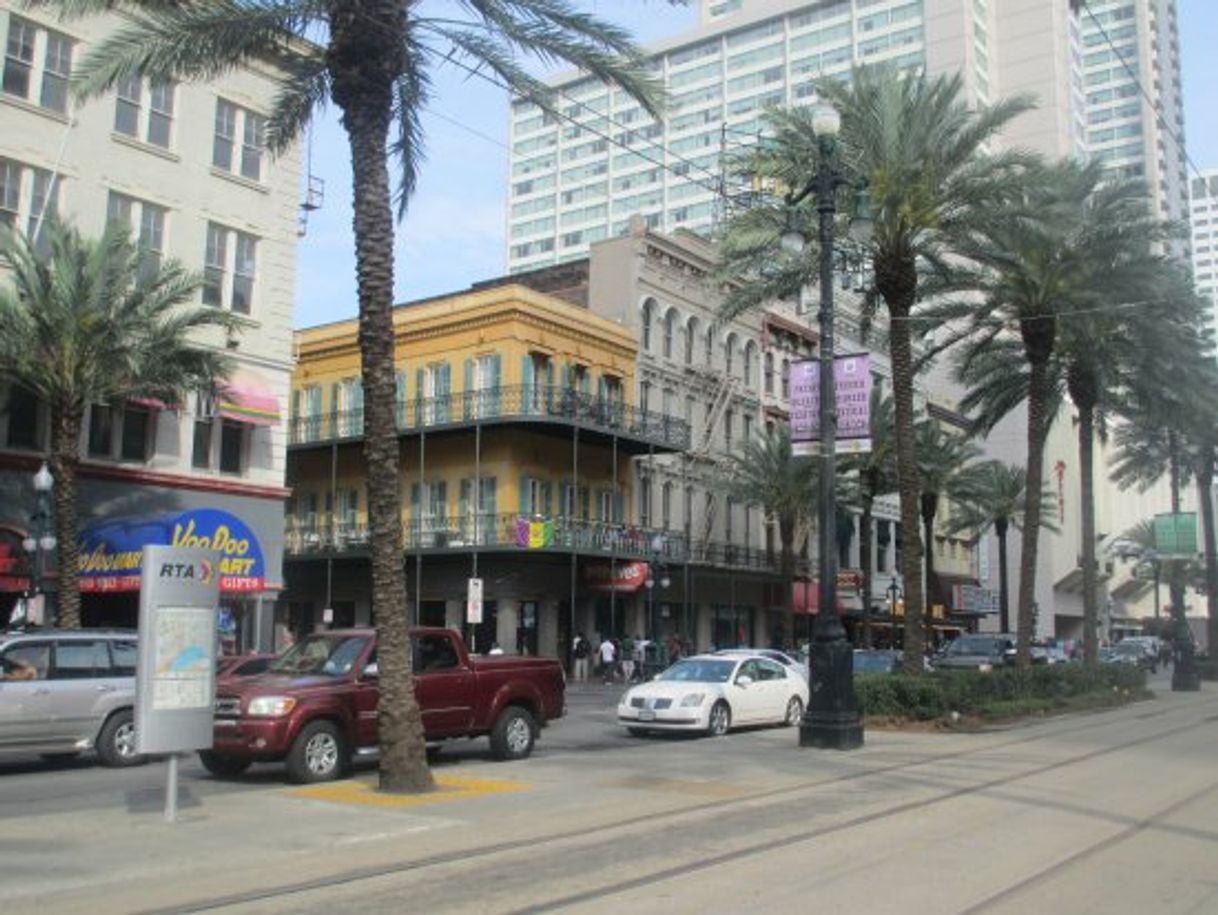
(204, 424)
(81, 660)
(233, 121)
(690, 330)
(710, 347)
(136, 439)
(648, 312)
(645, 396)
(729, 347)
(769, 373)
(123, 656)
(232, 446)
(747, 430)
(27, 193)
(153, 125)
(666, 506)
(101, 430)
(786, 379)
(122, 432)
(670, 321)
(147, 222)
(20, 415)
(645, 501)
(729, 420)
(21, 73)
(222, 243)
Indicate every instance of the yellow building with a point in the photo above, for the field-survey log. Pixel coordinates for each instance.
(517, 432)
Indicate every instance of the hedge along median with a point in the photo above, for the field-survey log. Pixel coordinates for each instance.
(1005, 693)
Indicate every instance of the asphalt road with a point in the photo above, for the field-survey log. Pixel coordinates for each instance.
(31, 786)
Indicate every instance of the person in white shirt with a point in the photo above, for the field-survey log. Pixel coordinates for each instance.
(608, 661)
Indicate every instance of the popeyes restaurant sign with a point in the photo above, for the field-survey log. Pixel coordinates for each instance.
(112, 552)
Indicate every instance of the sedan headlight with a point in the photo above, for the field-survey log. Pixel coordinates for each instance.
(271, 706)
(692, 700)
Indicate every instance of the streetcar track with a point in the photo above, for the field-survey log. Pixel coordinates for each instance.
(359, 875)
(769, 845)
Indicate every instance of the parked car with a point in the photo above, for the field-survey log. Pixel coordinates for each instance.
(65, 692)
(713, 693)
(243, 665)
(876, 661)
(1127, 652)
(315, 708)
(786, 660)
(977, 652)
(1150, 644)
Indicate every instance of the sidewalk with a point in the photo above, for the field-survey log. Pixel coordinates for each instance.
(239, 843)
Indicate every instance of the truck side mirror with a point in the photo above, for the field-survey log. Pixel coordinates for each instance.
(371, 671)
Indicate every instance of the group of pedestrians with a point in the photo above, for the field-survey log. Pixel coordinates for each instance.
(624, 658)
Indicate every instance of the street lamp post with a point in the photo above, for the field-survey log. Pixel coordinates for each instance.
(40, 540)
(654, 567)
(894, 595)
(832, 719)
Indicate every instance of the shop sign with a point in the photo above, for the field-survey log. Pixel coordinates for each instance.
(628, 576)
(111, 553)
(973, 599)
(14, 563)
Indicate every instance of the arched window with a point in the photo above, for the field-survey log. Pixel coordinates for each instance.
(729, 349)
(691, 330)
(649, 308)
(710, 347)
(750, 356)
(769, 373)
(670, 328)
(786, 379)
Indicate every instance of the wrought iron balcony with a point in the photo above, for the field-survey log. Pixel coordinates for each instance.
(516, 531)
(512, 403)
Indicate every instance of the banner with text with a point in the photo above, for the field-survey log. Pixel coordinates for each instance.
(852, 382)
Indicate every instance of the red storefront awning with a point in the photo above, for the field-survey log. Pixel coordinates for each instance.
(247, 401)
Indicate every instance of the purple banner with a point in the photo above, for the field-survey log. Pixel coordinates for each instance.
(852, 378)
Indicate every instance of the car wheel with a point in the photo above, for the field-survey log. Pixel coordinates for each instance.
(638, 732)
(116, 742)
(720, 719)
(513, 735)
(795, 711)
(318, 754)
(223, 766)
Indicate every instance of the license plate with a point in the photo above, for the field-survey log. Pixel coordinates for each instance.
(225, 723)
(646, 714)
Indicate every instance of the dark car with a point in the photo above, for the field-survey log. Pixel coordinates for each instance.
(1129, 653)
(977, 652)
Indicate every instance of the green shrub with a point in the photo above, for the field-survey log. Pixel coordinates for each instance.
(1004, 692)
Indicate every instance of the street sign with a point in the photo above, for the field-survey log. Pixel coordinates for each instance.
(1176, 534)
(175, 672)
(473, 602)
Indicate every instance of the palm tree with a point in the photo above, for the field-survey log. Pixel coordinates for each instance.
(922, 150)
(767, 473)
(877, 476)
(86, 323)
(943, 458)
(374, 62)
(1052, 256)
(992, 494)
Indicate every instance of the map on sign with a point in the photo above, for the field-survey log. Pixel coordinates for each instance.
(182, 672)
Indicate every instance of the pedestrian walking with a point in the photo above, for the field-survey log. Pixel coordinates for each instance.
(580, 651)
(608, 661)
(628, 659)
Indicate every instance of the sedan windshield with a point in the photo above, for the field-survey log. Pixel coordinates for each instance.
(695, 670)
(321, 654)
(873, 663)
(966, 645)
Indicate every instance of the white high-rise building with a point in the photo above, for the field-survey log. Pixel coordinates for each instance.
(1204, 219)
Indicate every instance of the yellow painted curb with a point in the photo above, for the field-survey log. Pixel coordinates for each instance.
(448, 788)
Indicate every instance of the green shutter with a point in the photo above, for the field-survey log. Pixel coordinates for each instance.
(463, 524)
(440, 499)
(549, 385)
(418, 397)
(399, 396)
(547, 493)
(415, 518)
(526, 507)
(467, 389)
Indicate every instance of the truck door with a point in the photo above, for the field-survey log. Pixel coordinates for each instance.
(442, 686)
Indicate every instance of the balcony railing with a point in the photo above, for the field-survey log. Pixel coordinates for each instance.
(626, 541)
(504, 403)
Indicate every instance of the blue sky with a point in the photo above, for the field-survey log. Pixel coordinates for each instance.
(453, 233)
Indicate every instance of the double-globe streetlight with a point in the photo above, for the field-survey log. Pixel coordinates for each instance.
(656, 565)
(40, 540)
(832, 719)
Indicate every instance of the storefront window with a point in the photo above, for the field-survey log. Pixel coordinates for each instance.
(232, 440)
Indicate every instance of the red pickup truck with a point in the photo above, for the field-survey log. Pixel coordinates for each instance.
(316, 707)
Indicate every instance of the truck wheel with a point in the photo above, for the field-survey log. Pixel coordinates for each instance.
(116, 742)
(223, 766)
(513, 735)
(319, 754)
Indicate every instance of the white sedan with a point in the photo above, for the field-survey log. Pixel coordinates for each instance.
(711, 694)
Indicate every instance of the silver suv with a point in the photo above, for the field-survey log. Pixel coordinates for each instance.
(64, 692)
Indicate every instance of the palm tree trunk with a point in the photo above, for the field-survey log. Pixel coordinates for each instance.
(1205, 492)
(899, 307)
(1038, 391)
(65, 450)
(1086, 448)
(865, 525)
(364, 93)
(929, 501)
(1004, 606)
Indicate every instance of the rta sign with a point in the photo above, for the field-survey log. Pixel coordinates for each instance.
(201, 571)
